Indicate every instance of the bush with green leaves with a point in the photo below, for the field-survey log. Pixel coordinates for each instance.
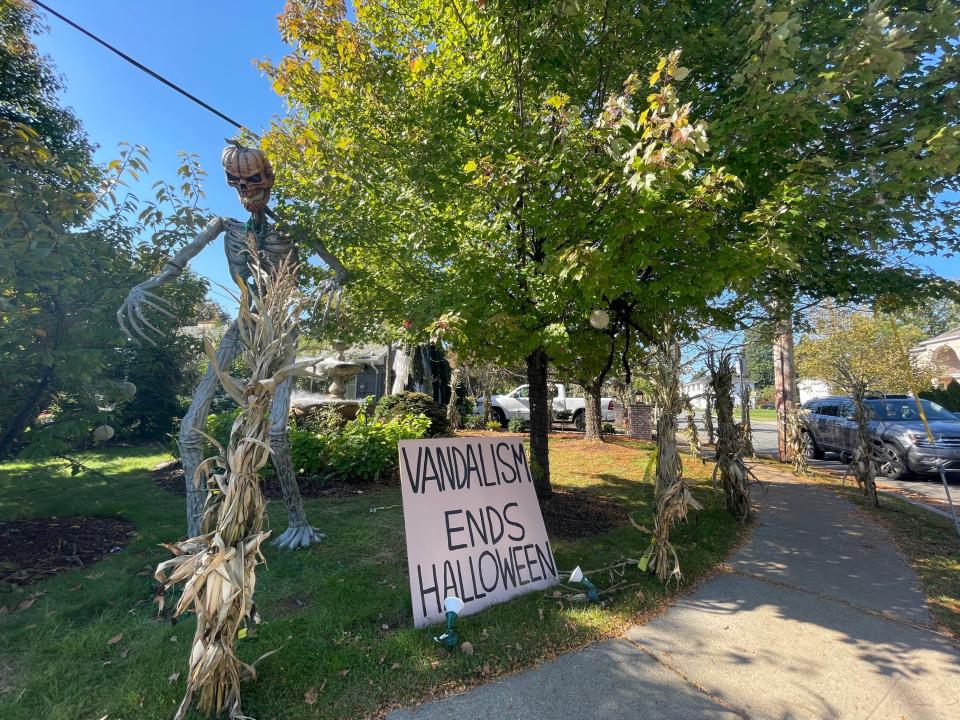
(609, 428)
(474, 422)
(414, 404)
(494, 425)
(517, 425)
(363, 450)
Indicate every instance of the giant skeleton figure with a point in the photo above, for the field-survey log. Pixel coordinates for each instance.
(249, 171)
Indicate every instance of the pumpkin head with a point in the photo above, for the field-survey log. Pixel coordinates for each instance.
(249, 171)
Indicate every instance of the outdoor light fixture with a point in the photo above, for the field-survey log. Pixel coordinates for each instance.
(453, 606)
(599, 319)
(638, 397)
(577, 576)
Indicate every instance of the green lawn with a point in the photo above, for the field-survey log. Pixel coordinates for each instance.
(340, 612)
(762, 415)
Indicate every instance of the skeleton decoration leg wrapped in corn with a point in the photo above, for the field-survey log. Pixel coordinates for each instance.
(218, 566)
(253, 242)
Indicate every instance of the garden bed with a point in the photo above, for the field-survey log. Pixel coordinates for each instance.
(169, 477)
(33, 550)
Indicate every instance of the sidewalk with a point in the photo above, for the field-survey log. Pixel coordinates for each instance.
(817, 617)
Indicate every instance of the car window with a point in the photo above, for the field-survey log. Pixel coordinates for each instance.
(830, 409)
(523, 393)
(846, 410)
(894, 410)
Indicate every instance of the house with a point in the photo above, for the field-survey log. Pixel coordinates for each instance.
(372, 360)
(941, 352)
(697, 387)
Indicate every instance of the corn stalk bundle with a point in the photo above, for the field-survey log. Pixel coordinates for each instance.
(746, 428)
(673, 496)
(692, 433)
(795, 441)
(218, 567)
(865, 460)
(730, 467)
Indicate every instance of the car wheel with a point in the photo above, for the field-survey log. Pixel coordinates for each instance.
(498, 416)
(580, 421)
(892, 465)
(811, 451)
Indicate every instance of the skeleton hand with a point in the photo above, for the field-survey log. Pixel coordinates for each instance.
(132, 312)
(332, 288)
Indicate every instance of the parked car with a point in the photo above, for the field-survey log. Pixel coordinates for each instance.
(503, 408)
(895, 428)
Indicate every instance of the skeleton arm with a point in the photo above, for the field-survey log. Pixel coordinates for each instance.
(132, 310)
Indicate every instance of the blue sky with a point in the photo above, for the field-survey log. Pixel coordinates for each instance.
(208, 47)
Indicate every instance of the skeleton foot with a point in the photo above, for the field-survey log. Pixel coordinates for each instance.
(298, 536)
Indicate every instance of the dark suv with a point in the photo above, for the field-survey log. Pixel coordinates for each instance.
(895, 427)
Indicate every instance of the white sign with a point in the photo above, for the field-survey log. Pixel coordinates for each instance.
(473, 523)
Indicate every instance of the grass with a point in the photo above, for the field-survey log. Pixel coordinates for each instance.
(929, 542)
(763, 415)
(339, 613)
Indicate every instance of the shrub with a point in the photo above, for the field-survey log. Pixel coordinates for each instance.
(609, 429)
(516, 424)
(218, 427)
(414, 404)
(363, 450)
(475, 422)
(494, 425)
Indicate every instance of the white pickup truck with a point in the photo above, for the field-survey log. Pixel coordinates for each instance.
(503, 408)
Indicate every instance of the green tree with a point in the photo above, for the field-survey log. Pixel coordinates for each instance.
(758, 353)
(69, 246)
(855, 352)
(933, 316)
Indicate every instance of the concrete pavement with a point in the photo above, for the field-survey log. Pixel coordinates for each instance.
(817, 617)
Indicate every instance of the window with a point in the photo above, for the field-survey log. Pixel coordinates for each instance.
(829, 409)
(523, 393)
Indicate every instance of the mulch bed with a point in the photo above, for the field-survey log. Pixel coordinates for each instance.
(169, 477)
(571, 515)
(567, 514)
(31, 550)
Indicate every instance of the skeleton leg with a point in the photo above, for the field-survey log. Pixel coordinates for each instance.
(191, 442)
(299, 533)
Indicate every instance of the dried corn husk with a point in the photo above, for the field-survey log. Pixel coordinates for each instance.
(732, 471)
(673, 497)
(218, 567)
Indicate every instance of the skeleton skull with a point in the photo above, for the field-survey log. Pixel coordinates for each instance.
(249, 171)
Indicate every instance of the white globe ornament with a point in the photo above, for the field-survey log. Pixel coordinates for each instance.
(128, 390)
(599, 319)
(102, 433)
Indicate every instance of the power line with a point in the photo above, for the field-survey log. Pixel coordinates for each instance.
(144, 68)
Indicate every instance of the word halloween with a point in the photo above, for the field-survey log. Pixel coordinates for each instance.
(473, 524)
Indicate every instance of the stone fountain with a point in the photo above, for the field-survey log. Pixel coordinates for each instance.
(340, 371)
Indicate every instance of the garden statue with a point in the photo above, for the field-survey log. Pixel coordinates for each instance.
(249, 171)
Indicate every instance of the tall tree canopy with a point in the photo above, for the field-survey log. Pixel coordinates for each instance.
(70, 246)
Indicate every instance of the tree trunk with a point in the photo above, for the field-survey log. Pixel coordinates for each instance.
(785, 383)
(593, 413)
(672, 493)
(453, 414)
(539, 422)
(731, 469)
(708, 418)
(746, 429)
(386, 372)
(29, 409)
(863, 463)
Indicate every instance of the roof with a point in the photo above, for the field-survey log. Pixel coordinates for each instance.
(941, 338)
